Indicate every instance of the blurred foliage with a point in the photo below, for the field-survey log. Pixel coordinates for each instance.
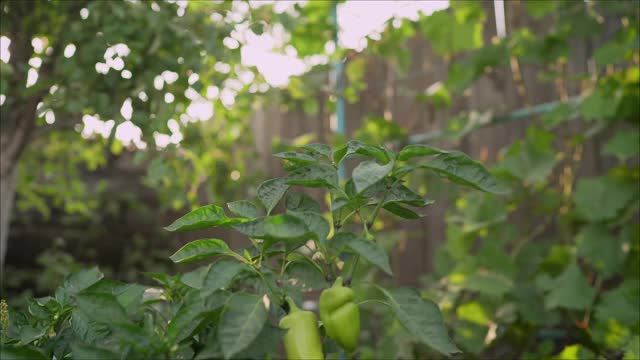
(166, 46)
(561, 285)
(557, 285)
(377, 131)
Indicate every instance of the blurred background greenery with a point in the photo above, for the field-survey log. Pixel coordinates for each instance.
(116, 116)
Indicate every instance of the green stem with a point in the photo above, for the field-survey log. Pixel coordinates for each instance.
(365, 229)
(381, 202)
(365, 224)
(352, 270)
(588, 312)
(343, 221)
(284, 264)
(519, 244)
(238, 257)
(275, 293)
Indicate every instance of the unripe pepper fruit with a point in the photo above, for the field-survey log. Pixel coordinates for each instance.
(302, 340)
(340, 315)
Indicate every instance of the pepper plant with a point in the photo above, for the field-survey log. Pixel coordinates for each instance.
(230, 307)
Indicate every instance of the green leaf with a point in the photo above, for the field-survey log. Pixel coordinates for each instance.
(296, 201)
(601, 198)
(277, 227)
(489, 283)
(416, 150)
(307, 276)
(200, 250)
(85, 329)
(623, 145)
(314, 175)
(39, 307)
(369, 250)
(221, 274)
(253, 229)
(367, 173)
(161, 278)
(316, 224)
(29, 334)
(108, 286)
(533, 159)
(421, 318)
(202, 218)
(558, 115)
(598, 105)
(437, 95)
(475, 211)
(377, 130)
(403, 195)
(470, 336)
(195, 278)
(133, 335)
(216, 299)
(81, 280)
(241, 323)
(189, 318)
(102, 308)
(341, 240)
(400, 211)
(401, 171)
(271, 191)
(284, 227)
(8, 352)
(243, 208)
(575, 352)
(539, 8)
(269, 338)
(632, 349)
(461, 169)
(130, 297)
(611, 52)
(355, 147)
(620, 303)
(210, 351)
(473, 312)
(320, 149)
(571, 290)
(265, 344)
(453, 32)
(85, 351)
(601, 248)
(619, 49)
(297, 158)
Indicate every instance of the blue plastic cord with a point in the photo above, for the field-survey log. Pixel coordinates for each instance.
(340, 104)
(519, 114)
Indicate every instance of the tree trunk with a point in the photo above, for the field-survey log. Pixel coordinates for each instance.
(18, 114)
(7, 195)
(15, 134)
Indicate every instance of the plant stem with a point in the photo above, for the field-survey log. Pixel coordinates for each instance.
(238, 257)
(365, 229)
(587, 313)
(534, 233)
(352, 270)
(275, 293)
(284, 264)
(381, 202)
(371, 220)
